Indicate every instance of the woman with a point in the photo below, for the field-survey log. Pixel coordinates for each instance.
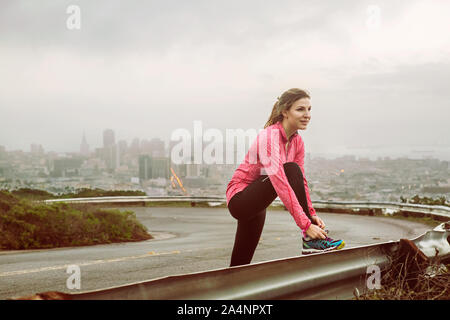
(273, 167)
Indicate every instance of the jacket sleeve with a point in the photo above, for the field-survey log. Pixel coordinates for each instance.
(300, 160)
(269, 153)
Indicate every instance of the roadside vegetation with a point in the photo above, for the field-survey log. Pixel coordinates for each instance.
(25, 219)
(412, 277)
(35, 194)
(441, 201)
(27, 224)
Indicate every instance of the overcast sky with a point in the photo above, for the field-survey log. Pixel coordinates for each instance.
(378, 71)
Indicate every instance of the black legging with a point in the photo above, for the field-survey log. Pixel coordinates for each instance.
(249, 208)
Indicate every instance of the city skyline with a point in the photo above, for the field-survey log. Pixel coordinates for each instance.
(377, 71)
(344, 178)
(371, 152)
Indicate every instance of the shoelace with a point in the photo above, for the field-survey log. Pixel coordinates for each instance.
(327, 242)
(322, 243)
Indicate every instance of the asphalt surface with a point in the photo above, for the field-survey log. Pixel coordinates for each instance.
(186, 240)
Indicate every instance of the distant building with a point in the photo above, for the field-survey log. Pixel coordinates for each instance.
(113, 159)
(110, 152)
(144, 168)
(444, 166)
(67, 167)
(157, 147)
(180, 170)
(154, 147)
(84, 147)
(108, 138)
(123, 149)
(193, 170)
(6, 170)
(153, 167)
(36, 149)
(2, 152)
(110, 155)
(135, 148)
(123, 146)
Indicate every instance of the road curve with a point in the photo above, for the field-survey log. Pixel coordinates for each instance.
(187, 240)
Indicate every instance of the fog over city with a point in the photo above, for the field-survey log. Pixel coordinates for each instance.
(378, 71)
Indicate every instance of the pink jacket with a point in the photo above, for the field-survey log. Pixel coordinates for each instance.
(267, 156)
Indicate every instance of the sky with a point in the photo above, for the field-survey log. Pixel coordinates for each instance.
(378, 71)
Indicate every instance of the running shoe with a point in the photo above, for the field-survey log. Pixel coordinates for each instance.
(321, 245)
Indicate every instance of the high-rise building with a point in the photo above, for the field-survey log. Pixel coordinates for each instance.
(160, 167)
(135, 146)
(157, 147)
(36, 149)
(110, 151)
(84, 147)
(153, 167)
(108, 138)
(123, 149)
(66, 167)
(109, 155)
(113, 159)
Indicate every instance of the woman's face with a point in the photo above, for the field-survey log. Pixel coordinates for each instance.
(299, 114)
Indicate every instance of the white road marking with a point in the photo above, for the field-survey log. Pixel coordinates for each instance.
(89, 263)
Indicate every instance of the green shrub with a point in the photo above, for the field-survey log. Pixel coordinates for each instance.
(36, 194)
(88, 193)
(32, 194)
(441, 201)
(25, 225)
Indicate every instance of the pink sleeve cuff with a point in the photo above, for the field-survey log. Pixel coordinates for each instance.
(306, 228)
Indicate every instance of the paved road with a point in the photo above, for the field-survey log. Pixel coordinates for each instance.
(187, 240)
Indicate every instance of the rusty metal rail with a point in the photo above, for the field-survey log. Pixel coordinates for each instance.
(440, 212)
(292, 278)
(330, 275)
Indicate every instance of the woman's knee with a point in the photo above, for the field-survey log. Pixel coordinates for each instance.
(292, 168)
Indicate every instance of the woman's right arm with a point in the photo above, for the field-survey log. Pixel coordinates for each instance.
(270, 153)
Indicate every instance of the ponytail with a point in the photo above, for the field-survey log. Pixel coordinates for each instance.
(284, 103)
(275, 116)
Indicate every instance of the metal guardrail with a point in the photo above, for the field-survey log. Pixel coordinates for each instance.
(440, 212)
(132, 199)
(291, 278)
(328, 275)
(387, 207)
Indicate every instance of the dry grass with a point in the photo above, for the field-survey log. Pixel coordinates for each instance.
(413, 276)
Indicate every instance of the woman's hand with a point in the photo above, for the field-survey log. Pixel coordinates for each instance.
(316, 220)
(314, 232)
